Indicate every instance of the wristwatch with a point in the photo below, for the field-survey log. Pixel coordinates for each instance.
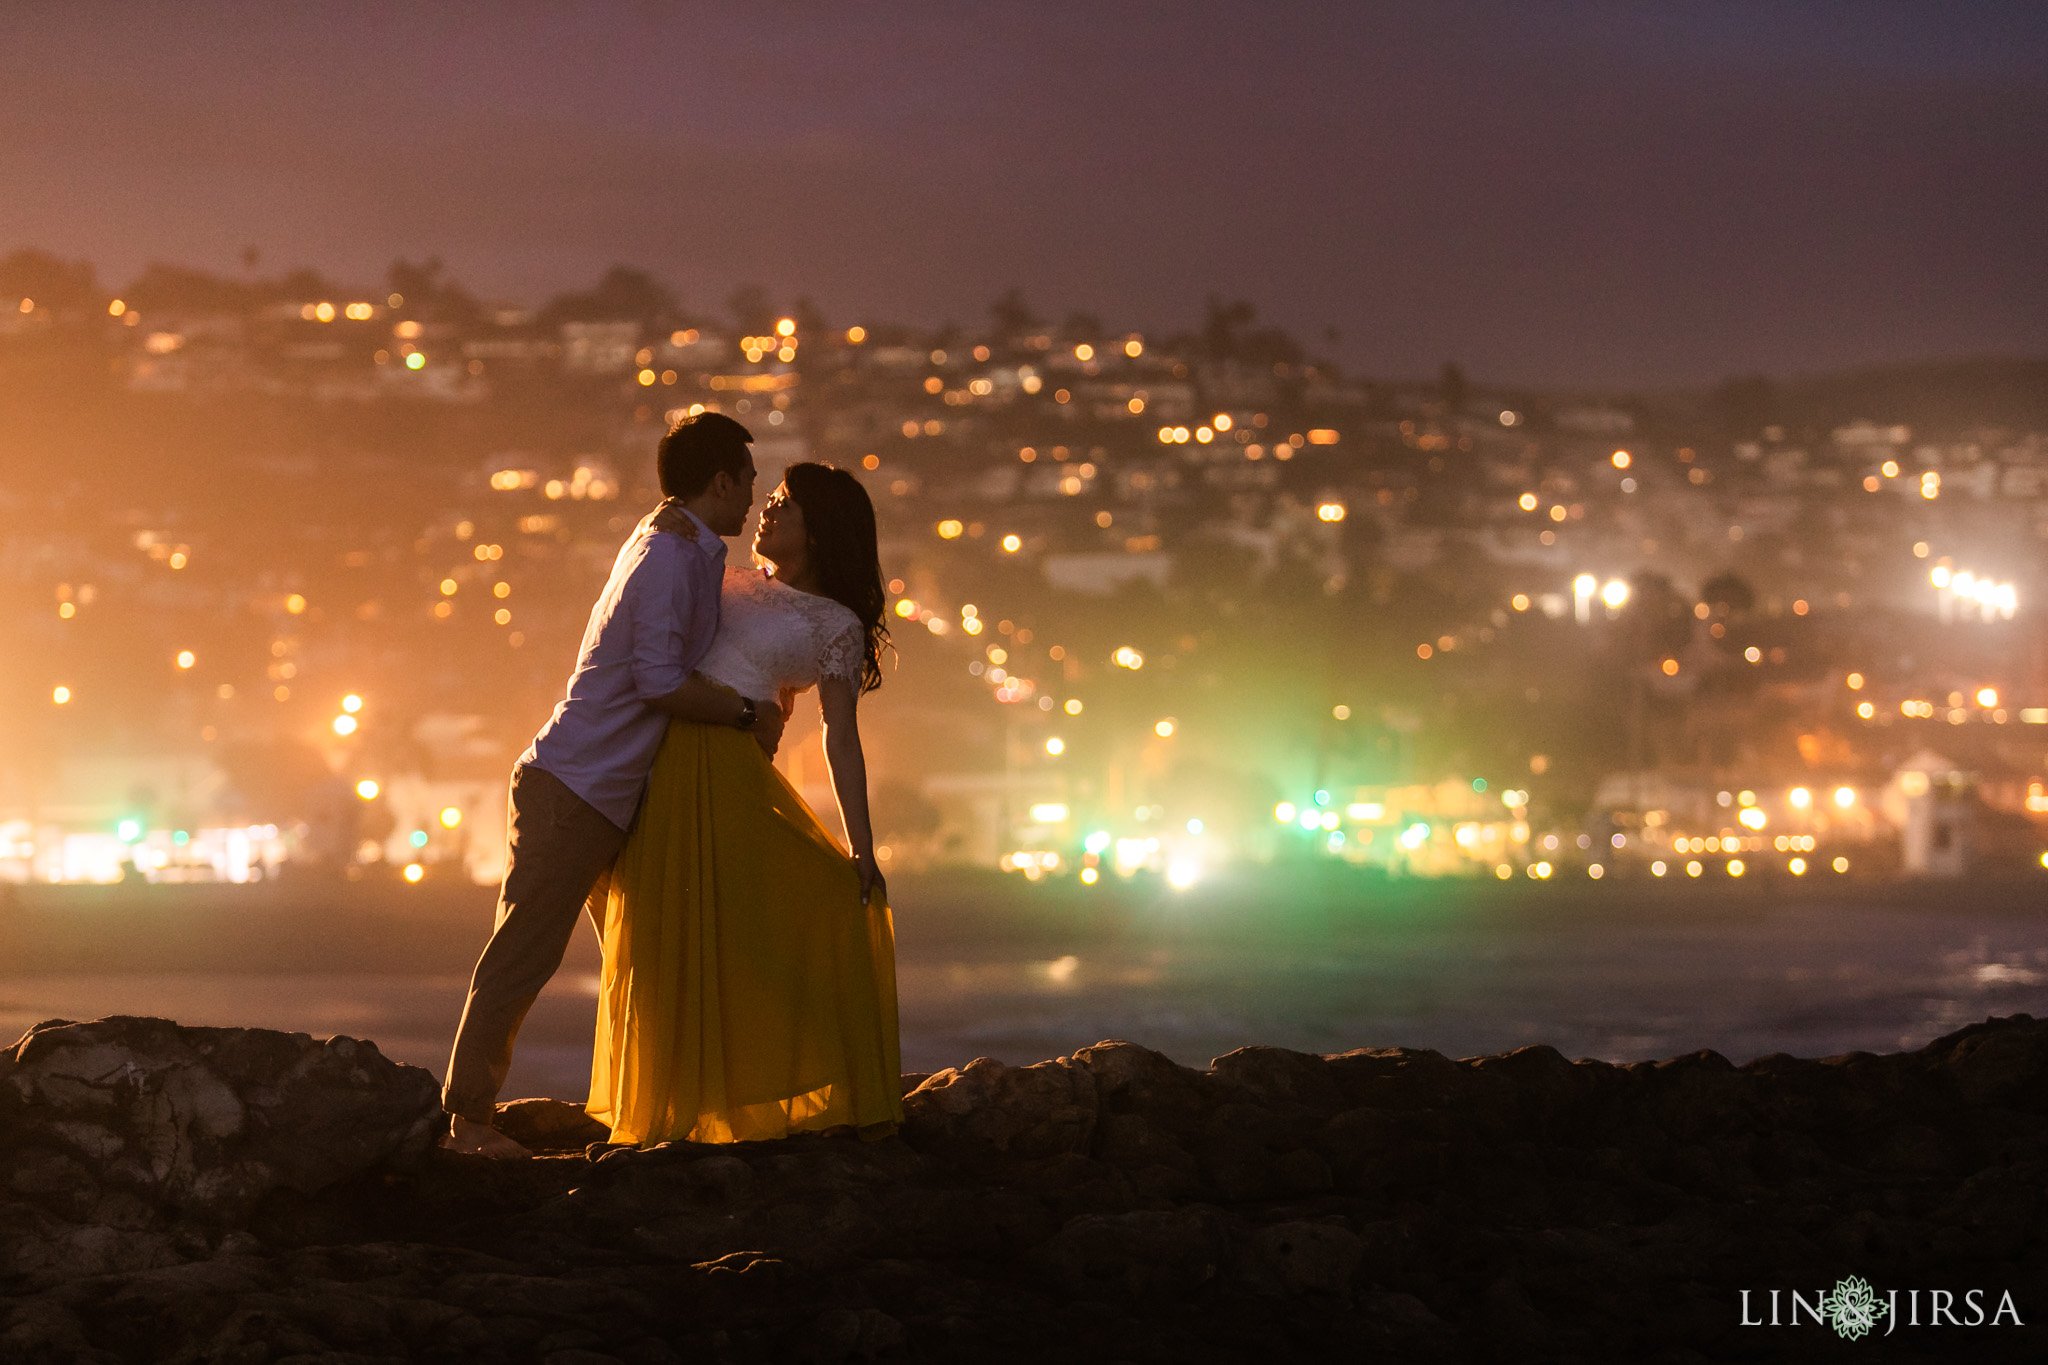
(746, 721)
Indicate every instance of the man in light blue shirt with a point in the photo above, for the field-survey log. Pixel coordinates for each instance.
(577, 786)
(650, 627)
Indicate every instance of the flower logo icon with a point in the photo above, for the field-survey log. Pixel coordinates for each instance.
(1852, 1308)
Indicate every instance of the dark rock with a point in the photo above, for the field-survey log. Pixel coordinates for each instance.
(1386, 1247)
(1301, 1171)
(853, 1334)
(1139, 1253)
(1300, 1257)
(1238, 1168)
(988, 1109)
(1133, 1142)
(1383, 1203)
(124, 1141)
(1510, 1316)
(1134, 1079)
(1543, 1085)
(1275, 1073)
(1998, 1066)
(550, 1125)
(725, 1178)
(1397, 1077)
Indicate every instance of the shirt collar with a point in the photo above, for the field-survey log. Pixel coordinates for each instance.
(712, 544)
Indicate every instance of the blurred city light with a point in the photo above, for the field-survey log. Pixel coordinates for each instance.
(1583, 588)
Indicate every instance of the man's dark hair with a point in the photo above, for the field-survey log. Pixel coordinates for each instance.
(698, 447)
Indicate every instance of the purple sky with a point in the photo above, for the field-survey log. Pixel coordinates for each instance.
(1548, 192)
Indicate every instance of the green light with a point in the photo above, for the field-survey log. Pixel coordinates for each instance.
(1322, 798)
(1479, 784)
(181, 838)
(129, 830)
(1096, 841)
(419, 838)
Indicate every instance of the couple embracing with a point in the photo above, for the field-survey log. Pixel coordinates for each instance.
(749, 981)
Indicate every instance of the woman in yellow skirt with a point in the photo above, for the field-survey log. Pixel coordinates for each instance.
(749, 980)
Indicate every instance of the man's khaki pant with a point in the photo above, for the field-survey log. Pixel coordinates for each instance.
(560, 853)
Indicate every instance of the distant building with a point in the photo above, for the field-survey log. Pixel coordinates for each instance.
(1946, 827)
(599, 347)
(1592, 421)
(1102, 573)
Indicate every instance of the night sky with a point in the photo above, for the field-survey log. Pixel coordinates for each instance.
(1549, 193)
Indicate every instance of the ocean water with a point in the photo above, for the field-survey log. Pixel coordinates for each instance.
(1805, 979)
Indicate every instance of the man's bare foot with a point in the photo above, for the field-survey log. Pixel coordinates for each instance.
(480, 1139)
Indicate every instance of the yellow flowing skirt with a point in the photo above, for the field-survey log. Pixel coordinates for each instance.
(746, 992)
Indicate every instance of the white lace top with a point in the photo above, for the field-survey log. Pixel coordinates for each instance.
(771, 636)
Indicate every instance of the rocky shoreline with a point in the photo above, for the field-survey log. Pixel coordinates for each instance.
(173, 1194)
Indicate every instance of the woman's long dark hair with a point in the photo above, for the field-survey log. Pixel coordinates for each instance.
(839, 522)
